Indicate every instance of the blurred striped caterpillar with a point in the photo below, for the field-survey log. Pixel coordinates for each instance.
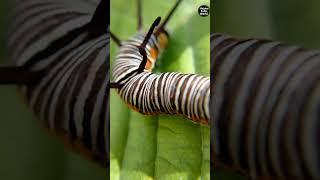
(265, 106)
(149, 93)
(61, 66)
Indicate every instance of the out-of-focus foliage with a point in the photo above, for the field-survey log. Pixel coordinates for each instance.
(245, 18)
(166, 146)
(296, 22)
(27, 151)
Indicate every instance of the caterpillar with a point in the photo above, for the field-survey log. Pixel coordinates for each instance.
(150, 93)
(265, 108)
(61, 67)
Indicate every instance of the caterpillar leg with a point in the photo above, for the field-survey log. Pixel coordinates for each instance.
(115, 85)
(115, 39)
(139, 14)
(18, 75)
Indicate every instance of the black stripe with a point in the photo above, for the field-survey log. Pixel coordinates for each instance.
(265, 65)
(181, 90)
(100, 21)
(284, 65)
(160, 96)
(222, 125)
(104, 121)
(139, 98)
(101, 76)
(44, 28)
(238, 74)
(83, 72)
(298, 106)
(62, 100)
(56, 46)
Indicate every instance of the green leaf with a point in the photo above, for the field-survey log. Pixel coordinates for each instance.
(164, 146)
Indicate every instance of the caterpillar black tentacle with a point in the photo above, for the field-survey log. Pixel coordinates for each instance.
(18, 75)
(115, 39)
(139, 15)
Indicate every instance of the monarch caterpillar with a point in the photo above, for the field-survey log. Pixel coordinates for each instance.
(139, 144)
(265, 107)
(149, 93)
(61, 67)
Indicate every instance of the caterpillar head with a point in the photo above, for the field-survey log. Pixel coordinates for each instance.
(163, 38)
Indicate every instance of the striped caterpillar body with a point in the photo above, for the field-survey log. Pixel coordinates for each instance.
(66, 47)
(266, 105)
(165, 93)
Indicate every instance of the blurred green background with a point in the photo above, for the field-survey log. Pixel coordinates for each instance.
(27, 152)
(291, 21)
